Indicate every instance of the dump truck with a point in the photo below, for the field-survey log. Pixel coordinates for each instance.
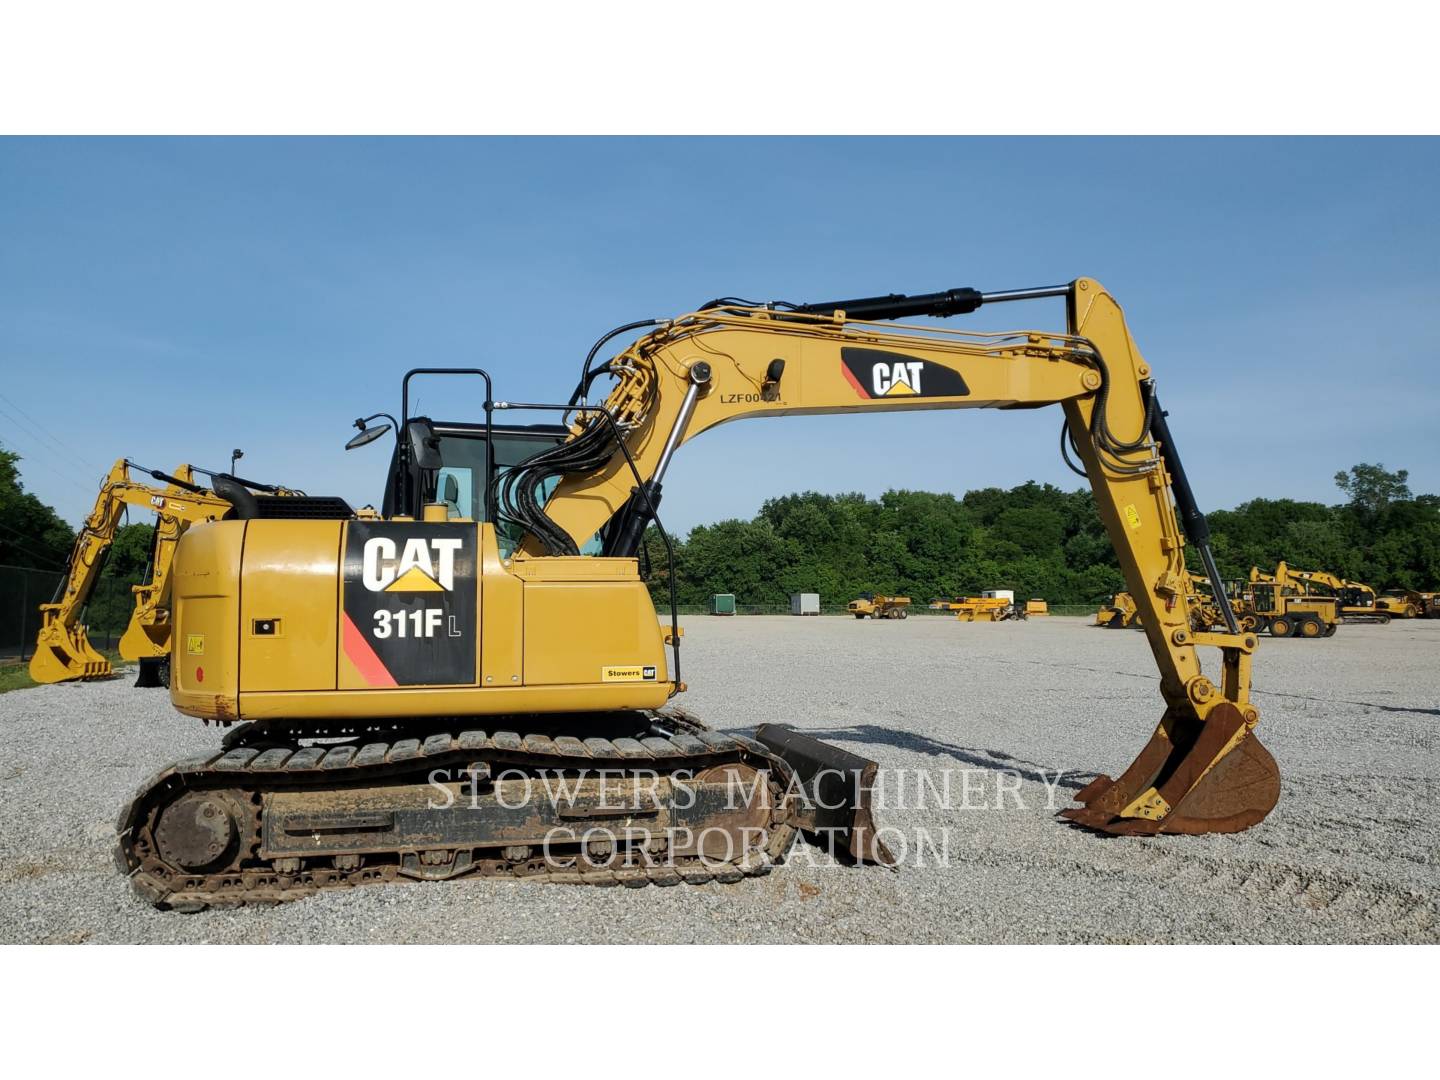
(396, 689)
(1404, 604)
(876, 606)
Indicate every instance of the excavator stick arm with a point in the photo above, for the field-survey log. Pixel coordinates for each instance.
(736, 361)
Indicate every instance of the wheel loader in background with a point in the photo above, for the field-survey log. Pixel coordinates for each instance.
(62, 647)
(876, 606)
(401, 685)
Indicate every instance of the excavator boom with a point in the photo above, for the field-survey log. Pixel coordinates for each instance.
(1203, 770)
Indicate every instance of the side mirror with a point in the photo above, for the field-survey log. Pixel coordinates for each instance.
(367, 435)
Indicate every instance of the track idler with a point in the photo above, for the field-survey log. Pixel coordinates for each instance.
(1193, 776)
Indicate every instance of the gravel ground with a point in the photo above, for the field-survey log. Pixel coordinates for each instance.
(1348, 856)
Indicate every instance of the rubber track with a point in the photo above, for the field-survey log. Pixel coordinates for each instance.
(253, 756)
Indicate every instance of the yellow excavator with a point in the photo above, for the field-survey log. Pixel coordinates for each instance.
(63, 650)
(478, 683)
(1356, 599)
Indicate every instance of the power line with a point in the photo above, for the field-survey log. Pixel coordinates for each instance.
(28, 551)
(25, 455)
(38, 427)
(30, 433)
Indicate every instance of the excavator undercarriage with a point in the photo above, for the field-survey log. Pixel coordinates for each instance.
(275, 815)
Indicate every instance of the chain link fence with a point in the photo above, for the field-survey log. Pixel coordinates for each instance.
(23, 590)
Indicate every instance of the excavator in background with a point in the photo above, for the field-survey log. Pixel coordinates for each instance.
(62, 648)
(876, 606)
(402, 686)
(1357, 601)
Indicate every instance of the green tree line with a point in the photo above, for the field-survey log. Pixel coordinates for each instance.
(34, 537)
(1037, 539)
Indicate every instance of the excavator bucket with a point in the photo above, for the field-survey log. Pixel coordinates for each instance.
(63, 653)
(1193, 776)
(832, 791)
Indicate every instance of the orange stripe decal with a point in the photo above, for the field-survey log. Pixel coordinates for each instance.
(850, 378)
(371, 669)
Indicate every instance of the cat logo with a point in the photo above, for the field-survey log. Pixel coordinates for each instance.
(903, 379)
(627, 673)
(875, 373)
(422, 565)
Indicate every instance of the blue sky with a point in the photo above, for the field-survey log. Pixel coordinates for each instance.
(168, 300)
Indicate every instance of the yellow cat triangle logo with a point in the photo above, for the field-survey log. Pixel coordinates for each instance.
(414, 580)
(899, 388)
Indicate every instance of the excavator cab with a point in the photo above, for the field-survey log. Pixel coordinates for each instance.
(459, 466)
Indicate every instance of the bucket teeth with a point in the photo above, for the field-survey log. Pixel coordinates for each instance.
(1210, 782)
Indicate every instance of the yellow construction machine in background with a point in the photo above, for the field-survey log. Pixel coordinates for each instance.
(1280, 604)
(1119, 614)
(1204, 611)
(62, 648)
(876, 606)
(992, 605)
(1407, 604)
(1357, 600)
